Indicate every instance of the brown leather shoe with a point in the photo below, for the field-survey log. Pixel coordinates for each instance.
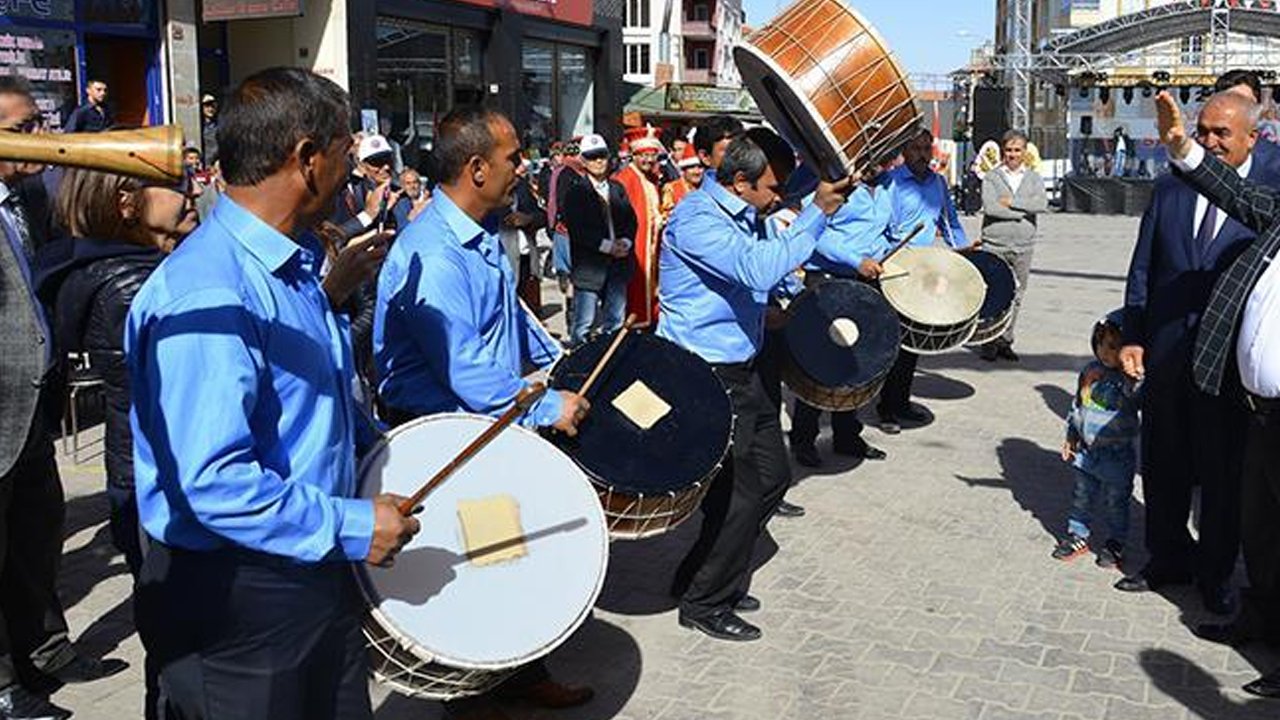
(553, 695)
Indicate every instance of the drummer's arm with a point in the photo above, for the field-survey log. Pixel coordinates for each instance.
(704, 239)
(205, 352)
(955, 231)
(539, 347)
(443, 331)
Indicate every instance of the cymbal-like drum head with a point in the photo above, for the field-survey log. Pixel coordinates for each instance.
(827, 81)
(933, 286)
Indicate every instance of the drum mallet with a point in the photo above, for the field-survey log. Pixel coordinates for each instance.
(524, 401)
(608, 354)
(919, 228)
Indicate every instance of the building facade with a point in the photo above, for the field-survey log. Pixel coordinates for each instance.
(683, 41)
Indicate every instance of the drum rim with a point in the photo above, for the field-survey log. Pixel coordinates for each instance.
(362, 574)
(601, 483)
(748, 45)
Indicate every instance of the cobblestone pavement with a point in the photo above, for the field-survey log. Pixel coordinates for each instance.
(920, 587)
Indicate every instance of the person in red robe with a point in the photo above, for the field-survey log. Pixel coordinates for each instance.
(691, 172)
(639, 179)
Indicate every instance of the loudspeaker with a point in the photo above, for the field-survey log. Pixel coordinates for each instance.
(1086, 124)
(990, 114)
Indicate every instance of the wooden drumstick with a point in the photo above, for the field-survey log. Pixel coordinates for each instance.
(524, 401)
(608, 355)
(919, 228)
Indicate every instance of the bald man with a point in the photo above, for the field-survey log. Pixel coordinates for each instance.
(1189, 437)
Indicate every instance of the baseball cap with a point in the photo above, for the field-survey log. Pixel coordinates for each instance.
(372, 146)
(593, 145)
(207, 98)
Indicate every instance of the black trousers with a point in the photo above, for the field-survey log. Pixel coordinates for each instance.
(895, 396)
(238, 635)
(33, 630)
(846, 428)
(716, 572)
(1189, 439)
(1260, 530)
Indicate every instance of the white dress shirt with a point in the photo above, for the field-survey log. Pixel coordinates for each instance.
(1258, 343)
(1014, 177)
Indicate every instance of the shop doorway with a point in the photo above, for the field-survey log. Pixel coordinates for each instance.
(124, 64)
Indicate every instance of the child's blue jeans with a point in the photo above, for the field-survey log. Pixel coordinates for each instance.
(1104, 477)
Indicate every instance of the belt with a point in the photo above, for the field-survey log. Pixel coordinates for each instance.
(1260, 405)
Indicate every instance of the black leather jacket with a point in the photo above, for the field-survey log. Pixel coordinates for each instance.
(90, 285)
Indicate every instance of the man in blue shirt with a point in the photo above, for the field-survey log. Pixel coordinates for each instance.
(449, 332)
(917, 195)
(851, 246)
(715, 277)
(245, 433)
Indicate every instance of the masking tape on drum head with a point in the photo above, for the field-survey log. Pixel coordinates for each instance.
(491, 531)
(641, 405)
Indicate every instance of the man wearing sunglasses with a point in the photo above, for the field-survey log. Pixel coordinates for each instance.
(360, 201)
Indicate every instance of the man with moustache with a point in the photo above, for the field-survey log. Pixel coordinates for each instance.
(246, 433)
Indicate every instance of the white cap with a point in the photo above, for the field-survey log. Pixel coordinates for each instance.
(592, 143)
(372, 145)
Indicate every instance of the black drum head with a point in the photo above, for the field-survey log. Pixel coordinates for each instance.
(682, 448)
(842, 334)
(1001, 284)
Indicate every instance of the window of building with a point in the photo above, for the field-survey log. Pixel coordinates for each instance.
(637, 13)
(701, 12)
(700, 59)
(1191, 49)
(559, 91)
(423, 72)
(638, 59)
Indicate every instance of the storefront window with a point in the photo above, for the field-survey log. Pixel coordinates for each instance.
(538, 66)
(46, 58)
(576, 101)
(558, 91)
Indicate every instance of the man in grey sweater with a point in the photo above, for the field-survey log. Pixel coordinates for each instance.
(1012, 196)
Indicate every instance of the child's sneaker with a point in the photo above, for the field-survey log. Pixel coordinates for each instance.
(1070, 547)
(1111, 554)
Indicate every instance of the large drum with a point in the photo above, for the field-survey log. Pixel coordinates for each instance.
(1002, 288)
(937, 294)
(509, 562)
(842, 338)
(826, 80)
(659, 428)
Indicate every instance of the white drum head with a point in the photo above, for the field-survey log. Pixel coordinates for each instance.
(933, 286)
(487, 616)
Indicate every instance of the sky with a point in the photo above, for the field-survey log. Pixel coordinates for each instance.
(928, 36)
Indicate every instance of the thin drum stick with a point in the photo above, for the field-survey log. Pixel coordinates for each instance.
(524, 401)
(608, 355)
(919, 228)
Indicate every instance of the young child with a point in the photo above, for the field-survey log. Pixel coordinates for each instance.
(1101, 433)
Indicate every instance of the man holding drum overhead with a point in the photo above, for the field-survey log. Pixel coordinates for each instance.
(917, 195)
(715, 278)
(246, 433)
(449, 332)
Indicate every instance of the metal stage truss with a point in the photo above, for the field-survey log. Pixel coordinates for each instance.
(1119, 51)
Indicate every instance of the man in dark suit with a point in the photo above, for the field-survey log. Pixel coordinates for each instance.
(1236, 354)
(34, 647)
(1189, 437)
(602, 230)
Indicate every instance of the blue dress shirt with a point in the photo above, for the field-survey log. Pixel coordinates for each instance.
(243, 421)
(927, 201)
(449, 333)
(714, 272)
(857, 231)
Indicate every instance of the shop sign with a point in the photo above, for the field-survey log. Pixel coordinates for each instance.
(38, 9)
(249, 9)
(577, 12)
(47, 59)
(708, 99)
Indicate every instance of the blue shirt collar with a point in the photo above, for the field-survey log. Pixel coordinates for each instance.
(731, 203)
(464, 229)
(272, 248)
